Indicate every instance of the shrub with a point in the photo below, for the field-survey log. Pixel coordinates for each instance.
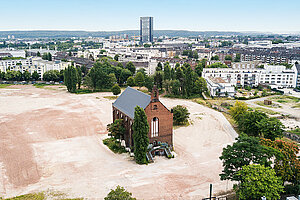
(180, 115)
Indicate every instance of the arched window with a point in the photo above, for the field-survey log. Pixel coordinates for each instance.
(154, 127)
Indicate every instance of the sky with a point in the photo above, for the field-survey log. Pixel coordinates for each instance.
(277, 16)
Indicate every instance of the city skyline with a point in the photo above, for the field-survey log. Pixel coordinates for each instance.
(268, 16)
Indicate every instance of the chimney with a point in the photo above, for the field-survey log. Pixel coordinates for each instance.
(154, 94)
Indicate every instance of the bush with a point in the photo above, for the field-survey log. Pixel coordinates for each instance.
(119, 194)
(180, 115)
(116, 89)
(114, 145)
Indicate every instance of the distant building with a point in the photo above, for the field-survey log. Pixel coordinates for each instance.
(274, 75)
(218, 86)
(146, 29)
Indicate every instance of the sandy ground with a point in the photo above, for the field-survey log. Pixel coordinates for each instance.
(286, 109)
(50, 139)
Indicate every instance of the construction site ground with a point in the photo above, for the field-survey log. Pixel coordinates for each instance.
(52, 140)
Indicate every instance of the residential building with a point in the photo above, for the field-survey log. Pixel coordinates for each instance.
(146, 29)
(159, 118)
(218, 86)
(31, 65)
(237, 77)
(278, 76)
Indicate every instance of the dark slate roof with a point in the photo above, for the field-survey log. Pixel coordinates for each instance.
(129, 99)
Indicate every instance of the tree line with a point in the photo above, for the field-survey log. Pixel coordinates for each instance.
(19, 76)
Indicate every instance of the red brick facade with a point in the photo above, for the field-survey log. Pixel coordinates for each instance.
(154, 110)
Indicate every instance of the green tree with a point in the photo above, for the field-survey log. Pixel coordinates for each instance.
(244, 151)
(216, 57)
(248, 122)
(200, 85)
(140, 135)
(111, 79)
(51, 75)
(139, 79)
(79, 76)
(195, 54)
(45, 56)
(116, 57)
(49, 57)
(287, 163)
(38, 54)
(270, 128)
(125, 73)
(70, 78)
(237, 57)
(238, 109)
(116, 128)
(199, 69)
(180, 115)
(9, 75)
(181, 78)
(189, 82)
(175, 87)
(258, 181)
(159, 67)
(26, 76)
(119, 194)
(18, 76)
(130, 66)
(167, 71)
(217, 65)
(228, 57)
(158, 79)
(130, 81)
(149, 82)
(116, 89)
(142, 70)
(35, 76)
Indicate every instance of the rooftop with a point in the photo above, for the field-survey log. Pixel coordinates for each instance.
(129, 99)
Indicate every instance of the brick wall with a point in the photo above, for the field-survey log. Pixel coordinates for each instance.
(165, 122)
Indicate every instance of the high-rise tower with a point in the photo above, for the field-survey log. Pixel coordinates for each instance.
(146, 29)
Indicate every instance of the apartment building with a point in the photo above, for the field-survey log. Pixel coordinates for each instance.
(274, 75)
(278, 76)
(31, 65)
(217, 86)
(10, 64)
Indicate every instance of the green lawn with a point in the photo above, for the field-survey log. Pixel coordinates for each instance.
(4, 85)
(285, 99)
(267, 111)
(295, 131)
(42, 196)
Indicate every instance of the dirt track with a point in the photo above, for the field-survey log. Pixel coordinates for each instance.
(50, 139)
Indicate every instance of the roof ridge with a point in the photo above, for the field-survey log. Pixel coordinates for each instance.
(138, 91)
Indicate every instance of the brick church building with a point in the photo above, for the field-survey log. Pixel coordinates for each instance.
(160, 119)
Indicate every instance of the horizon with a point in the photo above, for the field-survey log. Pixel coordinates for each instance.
(231, 16)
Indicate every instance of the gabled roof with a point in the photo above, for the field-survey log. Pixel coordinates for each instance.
(129, 99)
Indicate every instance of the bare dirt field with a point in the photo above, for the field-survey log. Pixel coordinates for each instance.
(50, 139)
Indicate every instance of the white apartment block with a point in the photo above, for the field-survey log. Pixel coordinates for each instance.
(31, 65)
(237, 77)
(219, 87)
(273, 75)
(278, 75)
